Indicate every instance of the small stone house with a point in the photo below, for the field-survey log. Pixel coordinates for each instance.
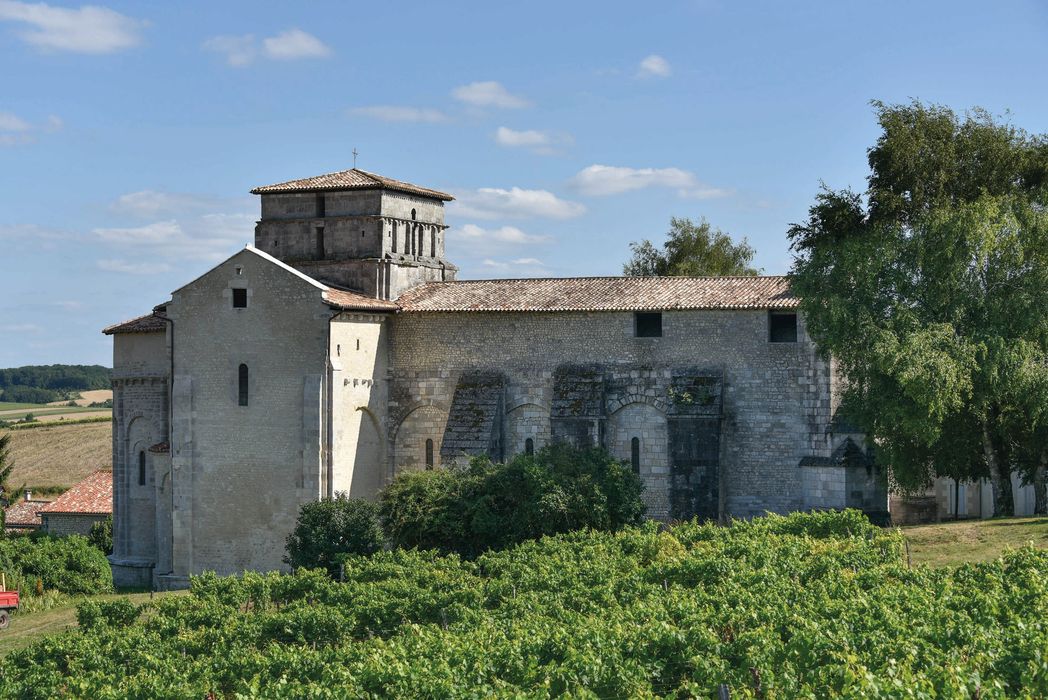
(24, 516)
(76, 510)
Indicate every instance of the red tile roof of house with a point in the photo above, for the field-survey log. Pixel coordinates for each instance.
(150, 323)
(25, 514)
(602, 294)
(92, 496)
(353, 301)
(353, 179)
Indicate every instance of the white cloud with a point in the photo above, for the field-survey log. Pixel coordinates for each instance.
(488, 94)
(392, 113)
(294, 43)
(520, 267)
(503, 234)
(494, 203)
(22, 328)
(14, 130)
(208, 237)
(654, 66)
(289, 45)
(542, 142)
(11, 122)
(150, 204)
(602, 180)
(89, 29)
(239, 50)
(132, 268)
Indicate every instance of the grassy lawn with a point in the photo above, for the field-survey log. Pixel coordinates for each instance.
(958, 542)
(59, 455)
(30, 627)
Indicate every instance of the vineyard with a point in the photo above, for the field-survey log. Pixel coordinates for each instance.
(781, 607)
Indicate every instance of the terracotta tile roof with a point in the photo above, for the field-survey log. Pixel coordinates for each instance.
(93, 495)
(150, 323)
(352, 301)
(353, 179)
(602, 294)
(25, 514)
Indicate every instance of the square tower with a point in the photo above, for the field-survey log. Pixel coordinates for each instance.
(357, 230)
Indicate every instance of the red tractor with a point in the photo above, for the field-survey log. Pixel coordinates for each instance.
(8, 603)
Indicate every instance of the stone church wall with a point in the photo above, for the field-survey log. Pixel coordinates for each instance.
(140, 420)
(240, 473)
(359, 363)
(776, 396)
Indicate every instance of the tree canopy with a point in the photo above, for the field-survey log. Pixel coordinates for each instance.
(931, 294)
(691, 250)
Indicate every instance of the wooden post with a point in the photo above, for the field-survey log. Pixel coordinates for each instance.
(3, 583)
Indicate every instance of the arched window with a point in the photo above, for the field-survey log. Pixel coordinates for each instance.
(242, 384)
(429, 454)
(141, 468)
(635, 455)
(407, 239)
(412, 214)
(529, 447)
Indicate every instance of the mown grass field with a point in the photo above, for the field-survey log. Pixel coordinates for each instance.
(59, 455)
(962, 541)
(28, 628)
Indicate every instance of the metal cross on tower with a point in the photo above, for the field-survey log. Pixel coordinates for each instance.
(355, 154)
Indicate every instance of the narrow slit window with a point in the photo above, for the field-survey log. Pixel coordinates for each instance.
(647, 325)
(782, 327)
(320, 243)
(529, 447)
(141, 468)
(433, 243)
(239, 298)
(242, 378)
(321, 208)
(393, 234)
(429, 454)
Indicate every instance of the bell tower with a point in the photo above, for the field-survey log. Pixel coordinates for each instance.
(356, 230)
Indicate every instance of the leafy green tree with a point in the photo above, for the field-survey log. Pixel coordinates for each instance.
(931, 296)
(691, 250)
(101, 535)
(492, 506)
(328, 530)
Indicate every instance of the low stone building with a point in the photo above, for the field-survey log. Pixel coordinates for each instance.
(340, 350)
(79, 508)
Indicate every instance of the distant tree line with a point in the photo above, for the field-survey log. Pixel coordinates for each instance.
(45, 383)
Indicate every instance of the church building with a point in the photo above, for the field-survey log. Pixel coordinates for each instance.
(340, 350)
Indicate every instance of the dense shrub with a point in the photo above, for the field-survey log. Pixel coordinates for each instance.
(30, 394)
(66, 564)
(797, 607)
(328, 530)
(491, 506)
(101, 535)
(92, 614)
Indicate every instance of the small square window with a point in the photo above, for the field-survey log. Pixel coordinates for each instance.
(239, 298)
(647, 325)
(782, 327)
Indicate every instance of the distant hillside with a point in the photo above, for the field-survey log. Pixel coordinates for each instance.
(44, 383)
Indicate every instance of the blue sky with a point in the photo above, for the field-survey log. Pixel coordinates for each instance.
(130, 134)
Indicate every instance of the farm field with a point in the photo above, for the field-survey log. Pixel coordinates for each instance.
(963, 541)
(30, 627)
(810, 605)
(89, 397)
(59, 455)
